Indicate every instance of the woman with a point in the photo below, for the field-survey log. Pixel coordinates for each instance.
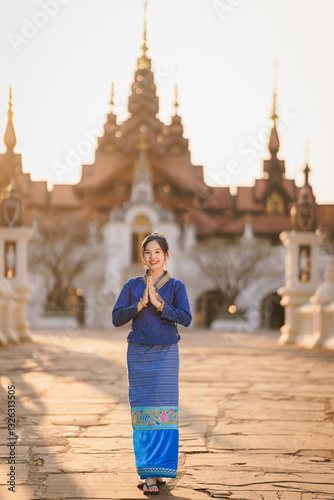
(155, 303)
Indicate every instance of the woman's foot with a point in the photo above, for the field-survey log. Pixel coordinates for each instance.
(160, 482)
(150, 487)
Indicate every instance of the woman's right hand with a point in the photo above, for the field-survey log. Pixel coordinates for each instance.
(145, 296)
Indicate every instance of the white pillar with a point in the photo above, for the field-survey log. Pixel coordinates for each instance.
(297, 289)
(3, 338)
(329, 340)
(321, 300)
(15, 291)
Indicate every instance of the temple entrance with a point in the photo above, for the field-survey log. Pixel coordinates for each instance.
(141, 227)
(207, 307)
(272, 312)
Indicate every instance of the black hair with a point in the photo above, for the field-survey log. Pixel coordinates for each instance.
(159, 238)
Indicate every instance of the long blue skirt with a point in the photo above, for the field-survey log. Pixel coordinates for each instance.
(153, 372)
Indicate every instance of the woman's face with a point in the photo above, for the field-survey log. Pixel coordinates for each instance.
(154, 256)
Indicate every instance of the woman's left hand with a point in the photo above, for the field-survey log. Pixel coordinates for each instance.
(152, 293)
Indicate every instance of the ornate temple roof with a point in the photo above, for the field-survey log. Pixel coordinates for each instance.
(175, 180)
(176, 184)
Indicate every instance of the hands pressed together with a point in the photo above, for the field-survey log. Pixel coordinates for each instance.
(149, 296)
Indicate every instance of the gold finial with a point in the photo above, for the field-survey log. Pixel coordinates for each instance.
(10, 105)
(9, 136)
(307, 168)
(144, 46)
(176, 92)
(274, 114)
(112, 100)
(176, 102)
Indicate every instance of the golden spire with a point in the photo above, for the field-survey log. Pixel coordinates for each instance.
(9, 136)
(274, 114)
(176, 91)
(176, 102)
(144, 46)
(112, 99)
(307, 168)
(10, 105)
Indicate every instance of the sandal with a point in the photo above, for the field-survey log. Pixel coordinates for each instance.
(149, 491)
(159, 483)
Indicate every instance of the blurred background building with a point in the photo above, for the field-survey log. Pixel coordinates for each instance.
(225, 246)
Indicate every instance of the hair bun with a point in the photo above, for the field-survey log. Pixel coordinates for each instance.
(156, 236)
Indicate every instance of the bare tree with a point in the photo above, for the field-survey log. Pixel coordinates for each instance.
(59, 252)
(233, 266)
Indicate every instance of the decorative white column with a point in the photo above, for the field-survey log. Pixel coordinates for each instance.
(322, 333)
(7, 304)
(329, 340)
(301, 277)
(15, 289)
(302, 263)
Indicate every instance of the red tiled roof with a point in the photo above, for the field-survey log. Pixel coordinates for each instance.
(220, 198)
(325, 215)
(38, 193)
(63, 195)
(34, 193)
(178, 170)
(206, 225)
(198, 172)
(245, 200)
(261, 224)
(274, 140)
(86, 170)
(261, 186)
(23, 182)
(290, 188)
(105, 168)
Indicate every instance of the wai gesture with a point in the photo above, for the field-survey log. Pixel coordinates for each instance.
(151, 292)
(149, 295)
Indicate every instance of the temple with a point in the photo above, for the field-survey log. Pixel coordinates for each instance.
(143, 179)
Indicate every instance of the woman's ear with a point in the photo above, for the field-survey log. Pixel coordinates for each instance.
(165, 263)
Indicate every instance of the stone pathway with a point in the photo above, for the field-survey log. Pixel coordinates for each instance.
(256, 418)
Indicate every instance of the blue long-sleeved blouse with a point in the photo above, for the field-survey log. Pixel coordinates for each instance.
(150, 326)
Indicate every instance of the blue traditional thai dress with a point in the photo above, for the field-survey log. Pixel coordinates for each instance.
(153, 370)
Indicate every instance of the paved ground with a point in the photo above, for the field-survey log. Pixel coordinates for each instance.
(256, 418)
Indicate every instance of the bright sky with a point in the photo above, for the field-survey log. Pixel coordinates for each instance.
(60, 56)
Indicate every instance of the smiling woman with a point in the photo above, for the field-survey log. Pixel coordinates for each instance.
(155, 303)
